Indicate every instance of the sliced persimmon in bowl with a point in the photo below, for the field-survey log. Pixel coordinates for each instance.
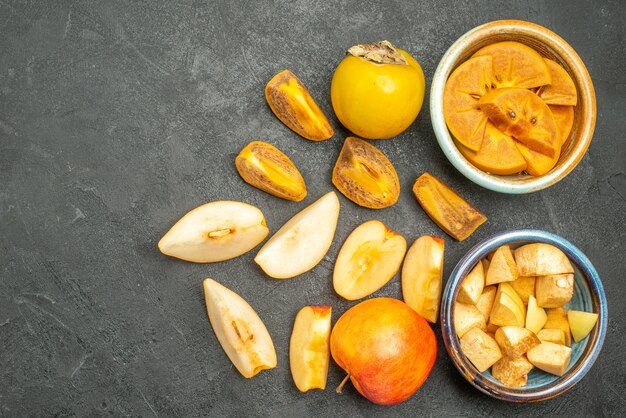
(497, 155)
(562, 90)
(516, 65)
(538, 164)
(468, 83)
(523, 115)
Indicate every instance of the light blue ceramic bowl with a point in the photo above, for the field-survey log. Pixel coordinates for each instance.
(588, 296)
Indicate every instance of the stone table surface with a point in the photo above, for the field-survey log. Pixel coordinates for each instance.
(117, 117)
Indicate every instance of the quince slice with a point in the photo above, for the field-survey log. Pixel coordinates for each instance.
(365, 175)
(266, 167)
(562, 90)
(446, 208)
(292, 103)
(497, 154)
(523, 115)
(516, 65)
(470, 81)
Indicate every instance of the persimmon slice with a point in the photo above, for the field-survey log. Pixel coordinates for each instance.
(562, 90)
(538, 164)
(497, 155)
(564, 119)
(470, 81)
(523, 115)
(516, 65)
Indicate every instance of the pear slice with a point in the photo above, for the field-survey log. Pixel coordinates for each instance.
(485, 302)
(369, 258)
(508, 308)
(581, 323)
(308, 348)
(421, 276)
(472, 285)
(536, 317)
(541, 259)
(502, 267)
(303, 241)
(214, 232)
(239, 330)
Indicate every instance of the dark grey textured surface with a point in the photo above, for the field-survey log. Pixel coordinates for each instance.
(117, 117)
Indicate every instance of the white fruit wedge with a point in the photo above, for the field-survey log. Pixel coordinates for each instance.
(309, 349)
(421, 276)
(239, 330)
(581, 323)
(370, 257)
(303, 241)
(215, 231)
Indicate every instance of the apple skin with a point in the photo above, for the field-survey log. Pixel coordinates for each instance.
(386, 347)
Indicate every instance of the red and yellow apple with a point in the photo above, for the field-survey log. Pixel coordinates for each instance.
(387, 349)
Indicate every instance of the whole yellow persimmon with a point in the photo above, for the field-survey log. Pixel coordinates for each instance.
(377, 90)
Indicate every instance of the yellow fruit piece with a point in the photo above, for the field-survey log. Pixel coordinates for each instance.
(481, 349)
(485, 302)
(309, 351)
(552, 335)
(512, 372)
(515, 341)
(365, 175)
(539, 259)
(502, 267)
(508, 308)
(555, 290)
(292, 103)
(421, 276)
(564, 119)
(516, 65)
(467, 317)
(471, 287)
(523, 115)
(550, 357)
(562, 90)
(536, 316)
(377, 90)
(581, 323)
(446, 208)
(265, 167)
(524, 287)
(370, 257)
(468, 83)
(557, 319)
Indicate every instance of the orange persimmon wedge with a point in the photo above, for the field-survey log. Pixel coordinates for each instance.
(516, 65)
(292, 103)
(446, 208)
(564, 119)
(562, 90)
(538, 164)
(464, 87)
(497, 155)
(523, 115)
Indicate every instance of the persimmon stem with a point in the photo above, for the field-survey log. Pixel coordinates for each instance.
(342, 384)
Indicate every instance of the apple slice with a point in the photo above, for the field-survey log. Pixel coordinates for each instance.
(467, 317)
(480, 348)
(515, 341)
(215, 231)
(239, 330)
(555, 290)
(524, 287)
(369, 258)
(502, 267)
(421, 276)
(303, 241)
(536, 317)
(308, 348)
(472, 285)
(541, 259)
(552, 335)
(512, 372)
(581, 323)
